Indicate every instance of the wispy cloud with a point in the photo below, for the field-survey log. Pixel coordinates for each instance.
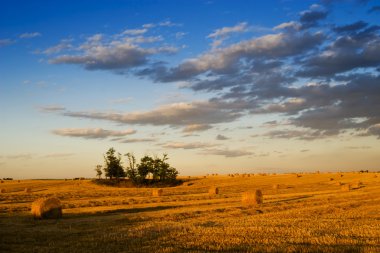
(189, 145)
(91, 133)
(65, 44)
(221, 34)
(227, 152)
(135, 31)
(137, 140)
(52, 108)
(24, 156)
(196, 128)
(29, 35)
(58, 155)
(5, 42)
(221, 137)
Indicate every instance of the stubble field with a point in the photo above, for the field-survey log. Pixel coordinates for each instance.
(307, 213)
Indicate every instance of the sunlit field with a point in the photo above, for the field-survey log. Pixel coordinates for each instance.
(307, 213)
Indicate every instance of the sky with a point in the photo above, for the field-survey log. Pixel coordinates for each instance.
(220, 86)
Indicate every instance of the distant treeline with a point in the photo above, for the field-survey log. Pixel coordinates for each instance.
(150, 170)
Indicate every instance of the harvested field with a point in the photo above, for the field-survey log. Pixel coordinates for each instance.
(306, 214)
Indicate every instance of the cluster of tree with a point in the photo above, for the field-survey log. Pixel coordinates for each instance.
(150, 169)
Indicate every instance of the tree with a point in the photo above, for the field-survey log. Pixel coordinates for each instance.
(159, 168)
(145, 167)
(98, 170)
(131, 170)
(113, 165)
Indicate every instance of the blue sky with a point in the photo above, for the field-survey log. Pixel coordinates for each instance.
(221, 86)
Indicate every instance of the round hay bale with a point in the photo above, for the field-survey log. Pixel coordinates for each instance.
(27, 190)
(276, 186)
(346, 187)
(339, 183)
(3, 191)
(157, 192)
(298, 175)
(47, 208)
(2, 181)
(213, 190)
(252, 198)
(356, 185)
(375, 176)
(18, 181)
(331, 179)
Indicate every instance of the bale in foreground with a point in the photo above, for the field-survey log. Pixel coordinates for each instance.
(213, 191)
(346, 187)
(47, 208)
(252, 198)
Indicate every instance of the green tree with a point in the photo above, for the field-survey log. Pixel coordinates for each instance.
(113, 165)
(145, 167)
(158, 167)
(98, 170)
(131, 170)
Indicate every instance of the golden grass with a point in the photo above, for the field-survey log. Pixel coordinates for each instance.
(309, 214)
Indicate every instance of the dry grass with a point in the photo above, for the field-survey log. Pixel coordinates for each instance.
(309, 214)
